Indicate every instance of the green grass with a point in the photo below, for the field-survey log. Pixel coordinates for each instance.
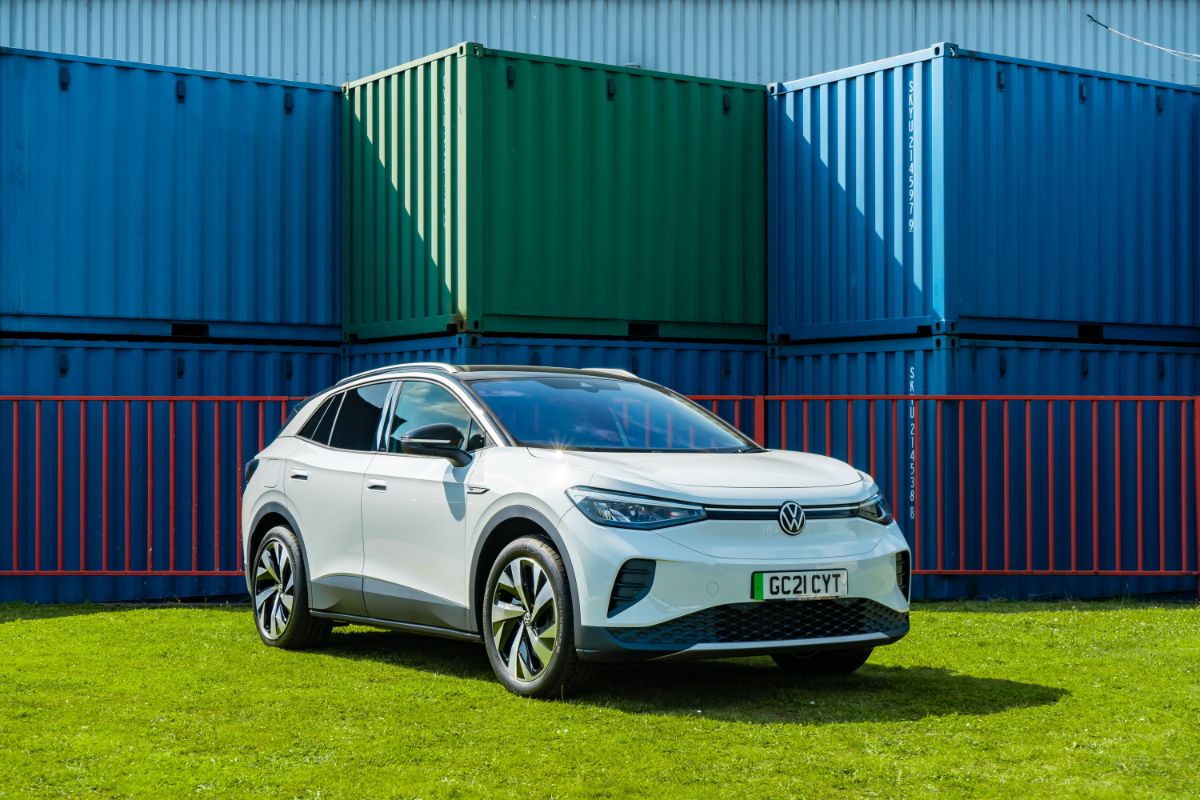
(1004, 699)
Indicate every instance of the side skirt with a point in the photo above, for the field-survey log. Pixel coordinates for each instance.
(407, 627)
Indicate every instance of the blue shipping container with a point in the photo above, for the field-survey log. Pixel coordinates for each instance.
(77, 367)
(949, 191)
(177, 475)
(996, 458)
(134, 198)
(688, 368)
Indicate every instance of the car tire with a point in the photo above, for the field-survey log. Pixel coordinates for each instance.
(278, 577)
(828, 662)
(527, 592)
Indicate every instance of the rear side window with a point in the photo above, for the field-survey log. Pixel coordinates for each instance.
(321, 422)
(358, 420)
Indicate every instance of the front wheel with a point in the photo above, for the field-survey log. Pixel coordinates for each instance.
(281, 594)
(527, 622)
(829, 662)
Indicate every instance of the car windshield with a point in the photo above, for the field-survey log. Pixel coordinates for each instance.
(571, 412)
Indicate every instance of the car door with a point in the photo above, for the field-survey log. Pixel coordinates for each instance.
(414, 515)
(323, 481)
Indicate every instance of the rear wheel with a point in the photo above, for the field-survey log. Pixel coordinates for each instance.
(280, 594)
(828, 662)
(527, 622)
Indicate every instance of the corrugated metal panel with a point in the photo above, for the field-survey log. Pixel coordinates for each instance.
(332, 41)
(947, 365)
(965, 193)
(72, 367)
(132, 197)
(497, 192)
(687, 368)
(110, 474)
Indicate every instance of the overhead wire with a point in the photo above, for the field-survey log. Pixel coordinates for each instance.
(1195, 57)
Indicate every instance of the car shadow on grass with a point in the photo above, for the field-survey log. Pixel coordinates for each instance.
(742, 690)
(450, 657)
(755, 690)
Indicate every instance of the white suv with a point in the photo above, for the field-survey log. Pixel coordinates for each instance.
(563, 517)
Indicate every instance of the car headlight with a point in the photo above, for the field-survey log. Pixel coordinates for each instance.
(630, 511)
(875, 510)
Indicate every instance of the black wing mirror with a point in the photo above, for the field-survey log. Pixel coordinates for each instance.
(440, 439)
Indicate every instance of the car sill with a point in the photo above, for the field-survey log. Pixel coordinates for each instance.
(407, 627)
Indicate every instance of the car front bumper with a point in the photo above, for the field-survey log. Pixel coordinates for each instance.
(700, 606)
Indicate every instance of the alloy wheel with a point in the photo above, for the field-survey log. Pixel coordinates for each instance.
(524, 618)
(274, 589)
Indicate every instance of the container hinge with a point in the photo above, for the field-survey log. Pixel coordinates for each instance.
(289, 102)
(1083, 91)
(725, 103)
(510, 75)
(612, 88)
(1000, 80)
(1158, 102)
(64, 78)
(180, 90)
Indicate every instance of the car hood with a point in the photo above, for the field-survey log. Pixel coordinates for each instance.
(719, 477)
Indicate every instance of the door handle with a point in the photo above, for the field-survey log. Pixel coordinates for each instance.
(376, 485)
(298, 475)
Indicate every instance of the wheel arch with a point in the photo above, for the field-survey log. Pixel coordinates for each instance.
(506, 526)
(267, 517)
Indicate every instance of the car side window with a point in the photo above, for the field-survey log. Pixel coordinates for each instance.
(358, 420)
(478, 438)
(424, 403)
(318, 426)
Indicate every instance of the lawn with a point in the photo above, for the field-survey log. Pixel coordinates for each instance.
(1001, 699)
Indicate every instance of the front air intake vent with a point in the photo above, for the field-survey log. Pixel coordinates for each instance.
(632, 584)
(903, 573)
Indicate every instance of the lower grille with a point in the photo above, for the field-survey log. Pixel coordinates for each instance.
(770, 621)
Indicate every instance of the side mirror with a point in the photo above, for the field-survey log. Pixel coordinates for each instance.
(441, 439)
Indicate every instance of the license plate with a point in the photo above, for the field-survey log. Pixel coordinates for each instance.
(811, 585)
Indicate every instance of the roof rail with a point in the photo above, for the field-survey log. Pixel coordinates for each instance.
(624, 373)
(438, 365)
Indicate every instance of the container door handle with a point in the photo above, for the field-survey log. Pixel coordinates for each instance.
(376, 485)
(298, 475)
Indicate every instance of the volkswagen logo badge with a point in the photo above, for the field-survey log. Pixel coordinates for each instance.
(791, 517)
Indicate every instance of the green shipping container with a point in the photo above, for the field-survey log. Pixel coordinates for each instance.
(510, 193)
